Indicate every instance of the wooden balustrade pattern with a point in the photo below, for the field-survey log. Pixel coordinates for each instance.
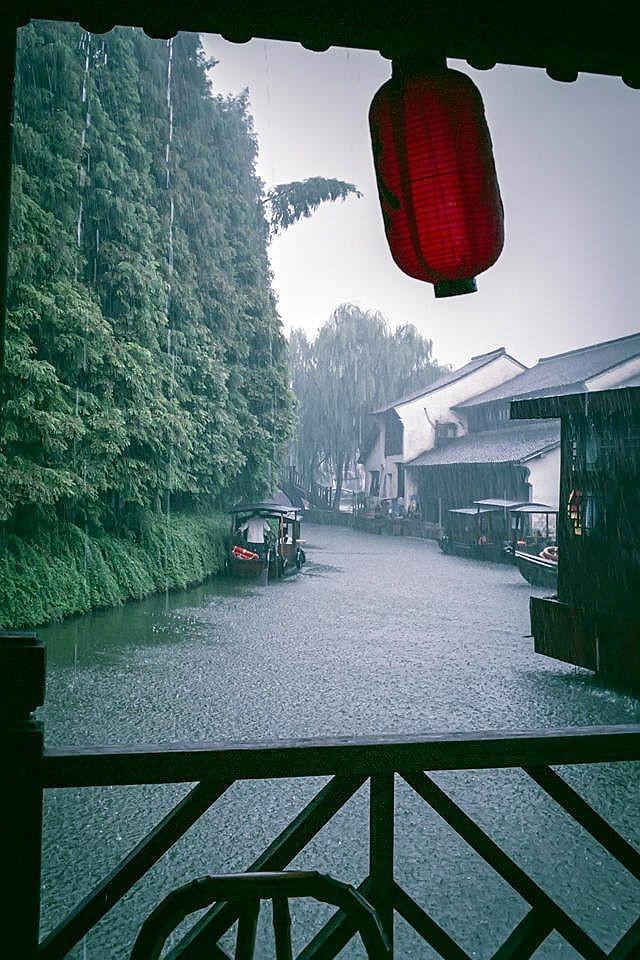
(378, 759)
(350, 763)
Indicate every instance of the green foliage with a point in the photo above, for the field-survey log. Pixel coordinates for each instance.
(290, 202)
(145, 358)
(355, 364)
(64, 571)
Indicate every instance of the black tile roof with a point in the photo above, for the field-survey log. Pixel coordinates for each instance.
(562, 373)
(474, 364)
(509, 444)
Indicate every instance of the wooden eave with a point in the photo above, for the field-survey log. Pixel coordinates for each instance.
(564, 39)
(620, 403)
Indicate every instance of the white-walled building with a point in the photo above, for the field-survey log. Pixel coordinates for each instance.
(418, 422)
(454, 442)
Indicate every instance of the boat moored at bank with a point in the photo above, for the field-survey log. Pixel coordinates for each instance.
(265, 540)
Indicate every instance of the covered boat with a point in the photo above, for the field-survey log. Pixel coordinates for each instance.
(280, 551)
(481, 531)
(534, 550)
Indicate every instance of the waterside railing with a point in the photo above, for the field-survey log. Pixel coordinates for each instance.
(349, 762)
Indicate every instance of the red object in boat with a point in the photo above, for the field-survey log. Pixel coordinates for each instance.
(436, 176)
(241, 553)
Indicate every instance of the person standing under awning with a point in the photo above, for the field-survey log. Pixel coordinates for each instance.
(257, 531)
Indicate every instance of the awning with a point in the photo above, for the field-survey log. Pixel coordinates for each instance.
(534, 508)
(501, 504)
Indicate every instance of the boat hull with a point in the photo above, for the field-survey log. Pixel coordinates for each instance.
(256, 569)
(536, 570)
(493, 552)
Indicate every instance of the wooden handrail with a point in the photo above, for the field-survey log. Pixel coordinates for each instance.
(357, 756)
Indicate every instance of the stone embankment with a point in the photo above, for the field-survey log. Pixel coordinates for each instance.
(386, 526)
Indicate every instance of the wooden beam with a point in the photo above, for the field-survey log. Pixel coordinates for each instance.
(426, 927)
(364, 756)
(586, 816)
(547, 909)
(381, 848)
(524, 940)
(550, 36)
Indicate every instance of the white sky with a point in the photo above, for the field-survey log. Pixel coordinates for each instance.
(567, 162)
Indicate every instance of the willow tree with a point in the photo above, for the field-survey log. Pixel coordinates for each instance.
(355, 364)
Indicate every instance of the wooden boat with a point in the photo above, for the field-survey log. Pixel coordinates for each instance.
(479, 532)
(280, 555)
(537, 570)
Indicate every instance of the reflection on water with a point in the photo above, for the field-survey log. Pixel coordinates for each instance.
(379, 635)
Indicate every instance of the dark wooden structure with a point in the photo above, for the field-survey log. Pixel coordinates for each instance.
(350, 763)
(594, 621)
(563, 39)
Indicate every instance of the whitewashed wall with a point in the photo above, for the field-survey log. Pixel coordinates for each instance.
(544, 477)
(616, 376)
(420, 416)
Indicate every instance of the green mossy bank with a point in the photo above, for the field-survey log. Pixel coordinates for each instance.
(66, 572)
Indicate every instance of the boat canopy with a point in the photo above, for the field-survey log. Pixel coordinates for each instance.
(499, 504)
(472, 511)
(534, 508)
(267, 508)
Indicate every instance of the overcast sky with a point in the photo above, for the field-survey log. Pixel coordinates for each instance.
(567, 163)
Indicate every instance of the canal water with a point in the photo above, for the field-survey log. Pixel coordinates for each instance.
(376, 635)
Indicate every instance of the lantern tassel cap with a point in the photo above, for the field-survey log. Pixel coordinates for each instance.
(453, 288)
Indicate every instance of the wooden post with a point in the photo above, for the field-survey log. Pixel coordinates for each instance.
(381, 842)
(8, 37)
(22, 677)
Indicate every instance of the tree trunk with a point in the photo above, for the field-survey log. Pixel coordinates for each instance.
(339, 478)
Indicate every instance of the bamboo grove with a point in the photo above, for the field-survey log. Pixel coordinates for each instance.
(146, 370)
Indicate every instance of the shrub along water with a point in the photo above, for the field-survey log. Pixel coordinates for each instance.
(66, 571)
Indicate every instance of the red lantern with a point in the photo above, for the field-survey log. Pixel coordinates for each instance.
(436, 177)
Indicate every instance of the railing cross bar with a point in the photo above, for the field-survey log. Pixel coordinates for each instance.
(524, 940)
(584, 814)
(137, 862)
(426, 927)
(279, 854)
(335, 934)
(628, 947)
(507, 868)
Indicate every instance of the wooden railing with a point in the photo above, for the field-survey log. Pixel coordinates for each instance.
(350, 763)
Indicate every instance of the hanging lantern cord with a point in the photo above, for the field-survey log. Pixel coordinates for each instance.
(427, 62)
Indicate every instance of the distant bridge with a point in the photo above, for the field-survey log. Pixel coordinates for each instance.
(299, 490)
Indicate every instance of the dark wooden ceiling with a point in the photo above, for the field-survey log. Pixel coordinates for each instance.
(563, 38)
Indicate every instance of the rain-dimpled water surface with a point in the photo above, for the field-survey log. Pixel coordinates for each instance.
(377, 635)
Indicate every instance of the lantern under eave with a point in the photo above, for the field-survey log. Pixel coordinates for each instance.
(436, 177)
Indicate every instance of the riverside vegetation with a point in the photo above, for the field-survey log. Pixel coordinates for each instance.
(146, 381)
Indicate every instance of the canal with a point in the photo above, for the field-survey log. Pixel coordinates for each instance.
(377, 635)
